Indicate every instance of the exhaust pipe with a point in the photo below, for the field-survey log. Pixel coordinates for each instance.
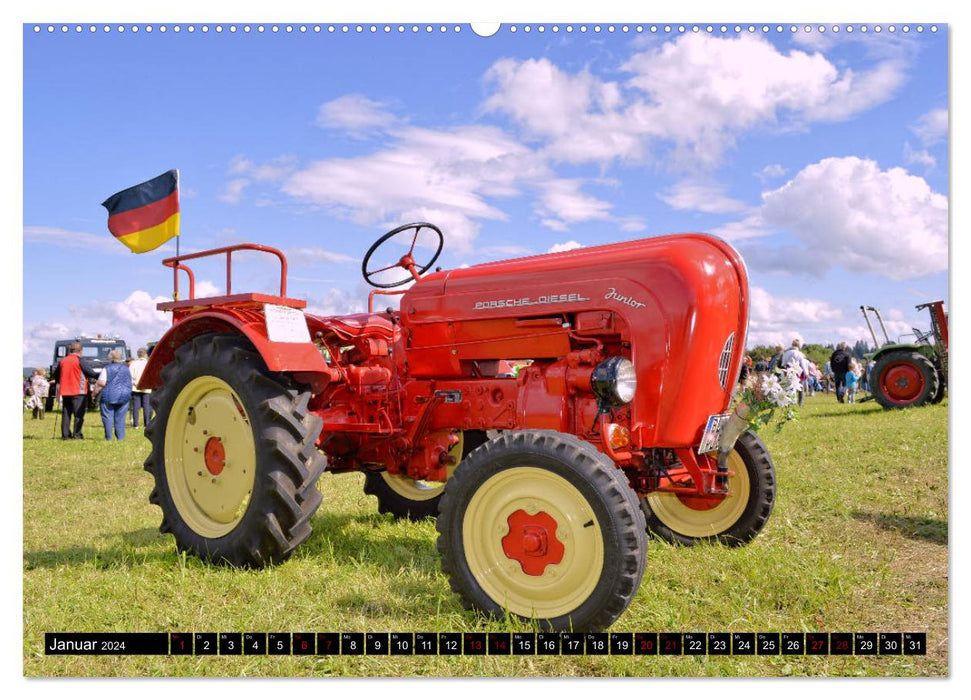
(730, 433)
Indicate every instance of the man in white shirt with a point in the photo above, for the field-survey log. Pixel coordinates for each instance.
(793, 357)
(139, 398)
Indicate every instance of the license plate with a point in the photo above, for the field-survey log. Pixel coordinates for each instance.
(713, 430)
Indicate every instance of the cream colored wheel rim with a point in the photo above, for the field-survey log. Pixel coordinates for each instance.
(210, 457)
(412, 490)
(562, 587)
(687, 521)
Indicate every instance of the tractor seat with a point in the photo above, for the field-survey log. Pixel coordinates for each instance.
(922, 337)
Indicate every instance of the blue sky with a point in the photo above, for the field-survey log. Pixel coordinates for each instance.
(822, 156)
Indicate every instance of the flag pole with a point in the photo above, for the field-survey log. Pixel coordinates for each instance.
(175, 293)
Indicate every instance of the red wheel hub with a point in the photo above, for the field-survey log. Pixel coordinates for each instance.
(708, 501)
(215, 455)
(702, 502)
(532, 542)
(902, 382)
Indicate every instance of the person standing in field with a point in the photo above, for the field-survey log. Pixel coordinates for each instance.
(139, 398)
(38, 388)
(114, 383)
(852, 378)
(839, 363)
(72, 374)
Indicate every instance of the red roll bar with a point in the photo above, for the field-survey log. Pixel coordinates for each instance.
(174, 263)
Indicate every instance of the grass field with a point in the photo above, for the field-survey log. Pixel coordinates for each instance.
(857, 542)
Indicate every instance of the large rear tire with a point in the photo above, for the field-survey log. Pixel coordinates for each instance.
(404, 497)
(233, 454)
(541, 525)
(734, 519)
(903, 378)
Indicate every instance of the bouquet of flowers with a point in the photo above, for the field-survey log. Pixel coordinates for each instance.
(766, 393)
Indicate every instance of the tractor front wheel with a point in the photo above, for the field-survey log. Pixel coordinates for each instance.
(233, 454)
(541, 525)
(404, 497)
(734, 518)
(903, 378)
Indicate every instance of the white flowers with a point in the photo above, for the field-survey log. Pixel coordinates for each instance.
(782, 390)
(764, 393)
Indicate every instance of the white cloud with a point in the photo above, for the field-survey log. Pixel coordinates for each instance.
(922, 157)
(272, 171)
(631, 224)
(932, 126)
(749, 227)
(703, 90)
(135, 319)
(564, 247)
(561, 203)
(336, 301)
(885, 222)
(207, 288)
(697, 93)
(777, 320)
(354, 113)
(233, 191)
(64, 238)
(771, 172)
(302, 255)
(705, 197)
(446, 177)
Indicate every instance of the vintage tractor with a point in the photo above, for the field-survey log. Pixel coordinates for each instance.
(910, 374)
(541, 482)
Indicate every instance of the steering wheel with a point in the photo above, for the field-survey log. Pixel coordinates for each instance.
(407, 261)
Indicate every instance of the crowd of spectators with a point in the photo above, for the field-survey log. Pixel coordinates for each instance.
(77, 383)
(843, 374)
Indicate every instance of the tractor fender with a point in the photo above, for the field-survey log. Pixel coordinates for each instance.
(925, 350)
(302, 359)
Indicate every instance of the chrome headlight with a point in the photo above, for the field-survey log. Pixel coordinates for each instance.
(614, 381)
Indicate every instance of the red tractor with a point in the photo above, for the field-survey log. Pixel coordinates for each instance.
(544, 483)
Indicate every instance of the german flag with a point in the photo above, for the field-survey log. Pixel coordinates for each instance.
(143, 217)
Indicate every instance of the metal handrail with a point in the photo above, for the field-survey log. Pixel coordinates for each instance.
(174, 263)
(375, 292)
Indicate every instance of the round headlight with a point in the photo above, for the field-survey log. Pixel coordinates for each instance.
(614, 381)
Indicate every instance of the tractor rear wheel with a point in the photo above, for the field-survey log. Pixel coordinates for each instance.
(404, 497)
(233, 454)
(903, 378)
(541, 525)
(733, 519)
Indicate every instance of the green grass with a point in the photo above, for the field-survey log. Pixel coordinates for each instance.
(857, 542)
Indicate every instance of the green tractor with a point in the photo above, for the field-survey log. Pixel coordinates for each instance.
(910, 374)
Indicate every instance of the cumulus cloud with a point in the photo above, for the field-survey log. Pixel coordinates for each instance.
(565, 246)
(770, 172)
(705, 197)
(446, 176)
(777, 320)
(354, 113)
(695, 93)
(885, 222)
(922, 158)
(337, 301)
(703, 90)
(561, 203)
(135, 319)
(931, 127)
(232, 192)
(749, 227)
